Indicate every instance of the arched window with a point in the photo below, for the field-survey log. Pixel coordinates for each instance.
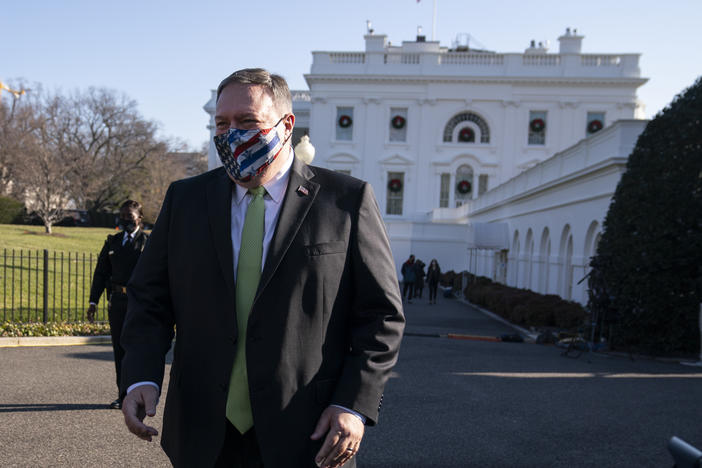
(464, 184)
(459, 121)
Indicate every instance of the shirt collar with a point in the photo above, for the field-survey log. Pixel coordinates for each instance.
(275, 187)
(132, 235)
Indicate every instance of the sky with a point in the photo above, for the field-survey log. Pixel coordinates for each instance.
(169, 55)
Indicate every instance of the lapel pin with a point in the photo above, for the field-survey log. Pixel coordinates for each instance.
(302, 190)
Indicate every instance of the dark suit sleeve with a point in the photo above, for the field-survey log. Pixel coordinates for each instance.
(148, 327)
(103, 272)
(377, 321)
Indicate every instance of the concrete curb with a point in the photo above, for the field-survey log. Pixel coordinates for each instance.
(530, 336)
(457, 336)
(27, 341)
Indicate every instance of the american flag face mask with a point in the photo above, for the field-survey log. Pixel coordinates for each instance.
(246, 153)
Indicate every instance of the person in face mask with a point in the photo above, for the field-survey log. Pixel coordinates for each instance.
(115, 264)
(280, 282)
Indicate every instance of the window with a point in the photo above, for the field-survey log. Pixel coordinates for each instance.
(444, 190)
(595, 122)
(464, 185)
(344, 123)
(457, 120)
(482, 183)
(396, 187)
(537, 127)
(398, 124)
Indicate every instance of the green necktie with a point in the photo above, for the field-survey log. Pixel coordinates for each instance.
(248, 273)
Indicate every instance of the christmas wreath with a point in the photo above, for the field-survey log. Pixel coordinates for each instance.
(345, 121)
(466, 134)
(537, 125)
(594, 126)
(395, 185)
(398, 122)
(463, 187)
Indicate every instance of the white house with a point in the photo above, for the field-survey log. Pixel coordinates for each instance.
(501, 164)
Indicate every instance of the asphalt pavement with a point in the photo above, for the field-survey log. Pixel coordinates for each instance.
(451, 402)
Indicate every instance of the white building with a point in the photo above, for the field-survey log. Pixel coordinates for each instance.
(501, 164)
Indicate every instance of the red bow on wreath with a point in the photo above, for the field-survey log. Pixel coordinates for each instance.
(594, 126)
(463, 187)
(537, 125)
(395, 185)
(398, 122)
(345, 121)
(466, 134)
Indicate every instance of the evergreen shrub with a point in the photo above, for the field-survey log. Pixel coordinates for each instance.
(11, 210)
(523, 307)
(643, 285)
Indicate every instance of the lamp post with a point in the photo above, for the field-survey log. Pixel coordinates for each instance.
(304, 150)
(14, 92)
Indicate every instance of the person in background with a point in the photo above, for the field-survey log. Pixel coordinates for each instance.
(117, 259)
(408, 277)
(433, 277)
(419, 278)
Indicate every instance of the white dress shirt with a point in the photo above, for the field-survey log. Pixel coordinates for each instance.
(272, 201)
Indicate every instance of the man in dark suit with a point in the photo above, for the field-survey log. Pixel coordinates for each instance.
(115, 264)
(285, 301)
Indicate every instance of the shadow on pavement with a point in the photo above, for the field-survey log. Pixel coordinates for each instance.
(95, 356)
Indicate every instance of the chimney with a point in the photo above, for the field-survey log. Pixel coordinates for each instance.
(570, 42)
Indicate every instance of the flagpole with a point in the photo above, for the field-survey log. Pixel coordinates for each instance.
(433, 23)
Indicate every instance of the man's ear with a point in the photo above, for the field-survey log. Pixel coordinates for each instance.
(289, 122)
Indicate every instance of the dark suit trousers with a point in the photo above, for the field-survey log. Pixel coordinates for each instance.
(116, 313)
(239, 451)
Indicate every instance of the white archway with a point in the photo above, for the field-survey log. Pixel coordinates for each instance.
(565, 251)
(544, 261)
(514, 251)
(529, 246)
(591, 240)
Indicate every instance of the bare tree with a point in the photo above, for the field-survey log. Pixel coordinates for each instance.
(113, 143)
(16, 120)
(43, 162)
(90, 149)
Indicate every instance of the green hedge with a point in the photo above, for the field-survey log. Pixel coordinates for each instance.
(523, 307)
(11, 211)
(13, 329)
(646, 278)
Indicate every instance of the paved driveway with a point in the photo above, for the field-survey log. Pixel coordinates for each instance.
(450, 403)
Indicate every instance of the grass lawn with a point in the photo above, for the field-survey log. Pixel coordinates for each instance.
(63, 239)
(72, 256)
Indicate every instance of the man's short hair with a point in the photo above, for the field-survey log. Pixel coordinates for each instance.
(274, 84)
(132, 205)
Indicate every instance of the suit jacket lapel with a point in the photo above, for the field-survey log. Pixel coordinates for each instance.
(219, 199)
(296, 204)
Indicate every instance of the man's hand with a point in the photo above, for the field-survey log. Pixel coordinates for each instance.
(140, 402)
(92, 308)
(344, 433)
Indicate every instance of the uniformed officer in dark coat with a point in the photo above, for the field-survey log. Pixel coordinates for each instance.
(115, 264)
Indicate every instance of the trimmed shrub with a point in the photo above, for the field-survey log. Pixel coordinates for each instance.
(14, 329)
(523, 307)
(644, 282)
(11, 210)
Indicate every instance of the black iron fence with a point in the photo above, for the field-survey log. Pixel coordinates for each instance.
(43, 286)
